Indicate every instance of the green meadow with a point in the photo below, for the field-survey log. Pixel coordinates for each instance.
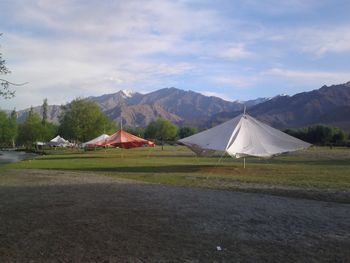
(317, 167)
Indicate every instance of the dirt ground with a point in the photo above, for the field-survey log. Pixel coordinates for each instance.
(57, 216)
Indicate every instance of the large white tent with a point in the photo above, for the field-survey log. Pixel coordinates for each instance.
(98, 141)
(243, 136)
(58, 141)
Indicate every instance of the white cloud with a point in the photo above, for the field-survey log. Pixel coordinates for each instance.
(234, 52)
(320, 41)
(92, 47)
(316, 41)
(235, 81)
(309, 76)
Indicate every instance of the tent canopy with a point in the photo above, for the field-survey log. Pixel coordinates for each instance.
(58, 141)
(98, 141)
(243, 136)
(126, 140)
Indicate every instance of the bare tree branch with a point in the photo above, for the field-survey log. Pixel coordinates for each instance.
(14, 84)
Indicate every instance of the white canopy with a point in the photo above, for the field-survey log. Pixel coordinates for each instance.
(59, 141)
(97, 141)
(243, 136)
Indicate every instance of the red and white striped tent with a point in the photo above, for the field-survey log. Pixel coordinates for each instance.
(123, 139)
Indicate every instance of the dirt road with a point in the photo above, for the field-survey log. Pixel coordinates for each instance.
(71, 217)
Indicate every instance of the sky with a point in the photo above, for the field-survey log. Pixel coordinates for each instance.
(236, 50)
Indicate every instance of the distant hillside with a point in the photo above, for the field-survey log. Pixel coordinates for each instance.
(53, 111)
(327, 105)
(136, 109)
(178, 106)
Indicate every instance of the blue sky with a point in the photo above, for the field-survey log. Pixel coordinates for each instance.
(237, 50)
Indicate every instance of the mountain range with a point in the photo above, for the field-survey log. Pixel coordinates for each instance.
(327, 105)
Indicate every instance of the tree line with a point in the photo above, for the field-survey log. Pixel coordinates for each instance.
(321, 135)
(82, 120)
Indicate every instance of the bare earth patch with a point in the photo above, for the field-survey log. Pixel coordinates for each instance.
(62, 216)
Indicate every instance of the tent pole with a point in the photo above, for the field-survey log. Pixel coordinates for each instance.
(244, 162)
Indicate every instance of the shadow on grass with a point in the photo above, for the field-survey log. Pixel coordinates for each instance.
(57, 158)
(197, 162)
(149, 169)
(313, 162)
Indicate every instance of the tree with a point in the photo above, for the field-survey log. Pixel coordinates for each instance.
(13, 127)
(138, 131)
(8, 129)
(5, 91)
(161, 130)
(48, 129)
(3, 128)
(83, 120)
(44, 109)
(319, 134)
(31, 130)
(186, 131)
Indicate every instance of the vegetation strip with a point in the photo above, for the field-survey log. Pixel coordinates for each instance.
(321, 168)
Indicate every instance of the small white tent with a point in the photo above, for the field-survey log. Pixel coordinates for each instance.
(58, 141)
(243, 136)
(98, 141)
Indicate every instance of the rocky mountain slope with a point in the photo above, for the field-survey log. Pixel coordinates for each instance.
(178, 106)
(136, 109)
(327, 105)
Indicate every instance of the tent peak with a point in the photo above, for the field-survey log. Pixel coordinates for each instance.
(241, 136)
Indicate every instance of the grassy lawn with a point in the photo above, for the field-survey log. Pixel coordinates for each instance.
(316, 167)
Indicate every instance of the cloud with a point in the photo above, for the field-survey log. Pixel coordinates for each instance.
(234, 52)
(85, 48)
(320, 41)
(310, 76)
(235, 81)
(95, 46)
(315, 41)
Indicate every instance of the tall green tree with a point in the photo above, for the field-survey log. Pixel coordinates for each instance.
(13, 127)
(49, 130)
(162, 130)
(83, 120)
(3, 128)
(44, 109)
(8, 129)
(31, 130)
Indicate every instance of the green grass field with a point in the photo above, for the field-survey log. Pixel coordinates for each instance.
(316, 167)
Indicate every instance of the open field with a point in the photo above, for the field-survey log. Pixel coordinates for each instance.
(148, 205)
(321, 168)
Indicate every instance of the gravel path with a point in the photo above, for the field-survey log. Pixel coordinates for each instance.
(74, 217)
